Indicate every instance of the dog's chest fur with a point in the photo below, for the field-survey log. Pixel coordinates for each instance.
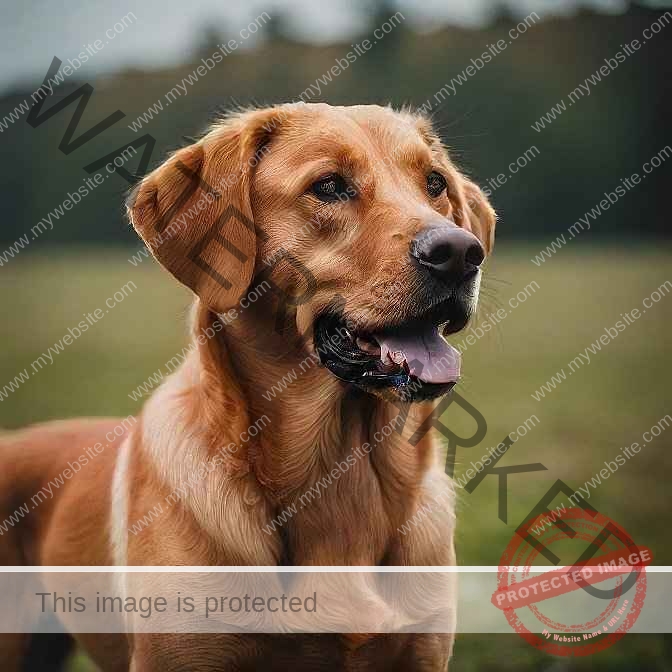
(328, 475)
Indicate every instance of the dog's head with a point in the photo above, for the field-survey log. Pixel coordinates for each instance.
(358, 216)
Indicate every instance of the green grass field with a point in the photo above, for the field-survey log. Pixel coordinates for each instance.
(604, 405)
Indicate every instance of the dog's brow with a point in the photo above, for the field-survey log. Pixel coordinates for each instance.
(341, 160)
(317, 168)
(414, 155)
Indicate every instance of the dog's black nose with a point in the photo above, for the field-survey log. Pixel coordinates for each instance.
(447, 251)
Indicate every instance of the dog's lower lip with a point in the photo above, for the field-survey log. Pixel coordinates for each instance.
(452, 326)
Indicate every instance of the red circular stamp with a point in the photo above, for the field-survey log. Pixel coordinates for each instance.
(584, 607)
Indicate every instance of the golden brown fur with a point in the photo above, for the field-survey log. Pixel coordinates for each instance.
(217, 393)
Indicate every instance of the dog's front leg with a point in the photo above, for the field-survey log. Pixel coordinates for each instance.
(211, 652)
(429, 600)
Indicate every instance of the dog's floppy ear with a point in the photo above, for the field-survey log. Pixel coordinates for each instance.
(194, 212)
(482, 217)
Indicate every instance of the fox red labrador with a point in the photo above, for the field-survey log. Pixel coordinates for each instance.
(330, 250)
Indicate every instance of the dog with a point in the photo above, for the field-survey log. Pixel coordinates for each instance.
(372, 244)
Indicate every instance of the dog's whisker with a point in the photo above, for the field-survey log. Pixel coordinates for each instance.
(493, 278)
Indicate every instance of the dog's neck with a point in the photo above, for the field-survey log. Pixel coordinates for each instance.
(312, 417)
(312, 420)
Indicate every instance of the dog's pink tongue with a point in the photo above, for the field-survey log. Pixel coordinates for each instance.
(429, 357)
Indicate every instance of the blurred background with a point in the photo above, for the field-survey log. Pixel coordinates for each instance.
(546, 157)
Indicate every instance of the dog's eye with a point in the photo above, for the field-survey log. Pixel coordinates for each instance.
(332, 188)
(436, 184)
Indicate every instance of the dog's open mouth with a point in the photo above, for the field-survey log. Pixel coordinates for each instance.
(412, 357)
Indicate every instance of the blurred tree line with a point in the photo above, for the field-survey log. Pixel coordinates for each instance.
(603, 137)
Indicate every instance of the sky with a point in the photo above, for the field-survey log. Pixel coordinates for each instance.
(163, 33)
